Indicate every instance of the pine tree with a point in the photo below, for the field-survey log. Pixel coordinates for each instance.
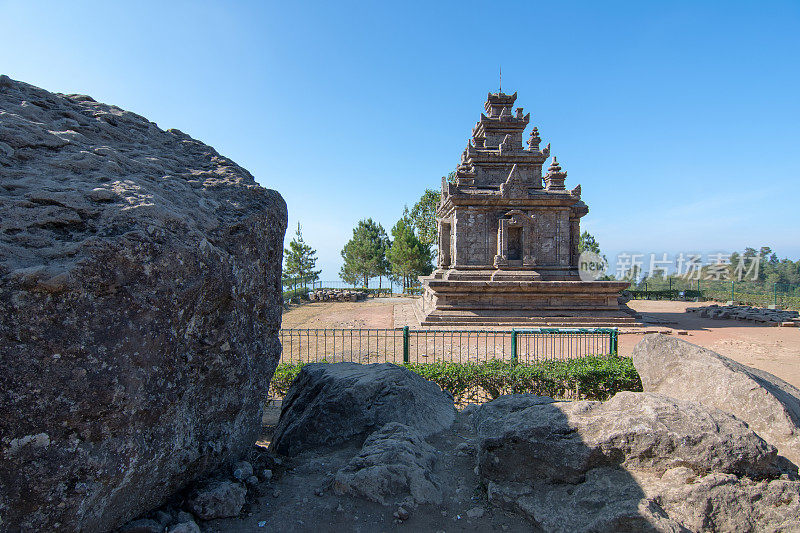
(588, 243)
(408, 256)
(365, 253)
(299, 261)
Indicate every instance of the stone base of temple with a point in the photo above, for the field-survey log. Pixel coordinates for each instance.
(483, 298)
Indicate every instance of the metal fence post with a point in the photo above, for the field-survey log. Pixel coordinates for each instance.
(406, 358)
(613, 340)
(733, 289)
(514, 355)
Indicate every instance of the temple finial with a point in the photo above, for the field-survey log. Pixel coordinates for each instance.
(554, 179)
(501, 79)
(534, 140)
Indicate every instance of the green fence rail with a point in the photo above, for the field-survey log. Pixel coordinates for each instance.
(406, 345)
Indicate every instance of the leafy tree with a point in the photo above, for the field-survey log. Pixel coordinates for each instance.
(423, 216)
(365, 253)
(299, 261)
(408, 255)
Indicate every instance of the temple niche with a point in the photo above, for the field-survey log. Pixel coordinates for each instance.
(508, 236)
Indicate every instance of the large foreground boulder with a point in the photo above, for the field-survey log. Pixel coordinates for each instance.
(769, 405)
(333, 403)
(638, 462)
(139, 309)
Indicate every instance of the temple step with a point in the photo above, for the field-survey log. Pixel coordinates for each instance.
(550, 321)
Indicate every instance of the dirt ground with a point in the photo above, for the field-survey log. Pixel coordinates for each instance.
(775, 350)
(375, 313)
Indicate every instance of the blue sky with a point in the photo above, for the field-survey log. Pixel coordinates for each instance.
(681, 120)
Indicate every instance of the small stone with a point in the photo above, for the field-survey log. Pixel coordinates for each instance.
(475, 512)
(305, 500)
(267, 474)
(276, 493)
(242, 470)
(262, 523)
(339, 508)
(221, 499)
(401, 513)
(252, 480)
(318, 492)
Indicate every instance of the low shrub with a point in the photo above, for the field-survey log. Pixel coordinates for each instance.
(593, 378)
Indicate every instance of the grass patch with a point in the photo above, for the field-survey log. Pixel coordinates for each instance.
(593, 378)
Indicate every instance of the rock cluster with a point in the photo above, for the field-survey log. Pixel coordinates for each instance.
(773, 317)
(140, 302)
(769, 405)
(336, 295)
(641, 461)
(631, 463)
(223, 495)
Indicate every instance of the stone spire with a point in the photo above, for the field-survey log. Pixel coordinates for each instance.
(534, 140)
(555, 178)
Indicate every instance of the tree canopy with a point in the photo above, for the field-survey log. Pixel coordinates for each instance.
(299, 261)
(423, 216)
(408, 255)
(365, 253)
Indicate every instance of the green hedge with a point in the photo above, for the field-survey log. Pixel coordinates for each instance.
(594, 378)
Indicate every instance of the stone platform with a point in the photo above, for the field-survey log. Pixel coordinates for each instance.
(448, 302)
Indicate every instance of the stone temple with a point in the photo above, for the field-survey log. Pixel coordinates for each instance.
(508, 237)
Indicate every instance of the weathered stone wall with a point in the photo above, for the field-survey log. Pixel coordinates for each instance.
(140, 301)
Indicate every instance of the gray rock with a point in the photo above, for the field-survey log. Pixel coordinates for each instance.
(395, 463)
(636, 430)
(185, 527)
(489, 418)
(242, 470)
(217, 499)
(769, 405)
(143, 525)
(329, 404)
(638, 462)
(114, 306)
